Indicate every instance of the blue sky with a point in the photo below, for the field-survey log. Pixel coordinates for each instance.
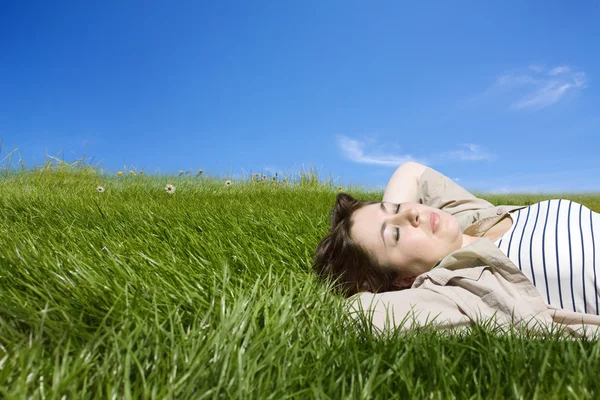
(501, 97)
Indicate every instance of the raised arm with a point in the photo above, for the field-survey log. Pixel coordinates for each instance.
(404, 184)
(416, 182)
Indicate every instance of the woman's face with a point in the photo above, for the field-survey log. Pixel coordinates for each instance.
(411, 237)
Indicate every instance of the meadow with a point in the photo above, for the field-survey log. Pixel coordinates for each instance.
(116, 286)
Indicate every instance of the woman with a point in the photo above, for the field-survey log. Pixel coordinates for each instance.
(543, 257)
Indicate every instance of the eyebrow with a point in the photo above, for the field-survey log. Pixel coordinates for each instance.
(383, 225)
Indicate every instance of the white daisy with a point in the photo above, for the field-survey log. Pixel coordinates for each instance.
(100, 189)
(170, 188)
(228, 183)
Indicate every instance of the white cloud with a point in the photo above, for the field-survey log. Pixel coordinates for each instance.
(356, 151)
(473, 152)
(559, 70)
(536, 68)
(512, 81)
(544, 97)
(537, 87)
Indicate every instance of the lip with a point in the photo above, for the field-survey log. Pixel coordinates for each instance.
(434, 222)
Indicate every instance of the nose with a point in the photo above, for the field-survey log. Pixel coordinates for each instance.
(409, 215)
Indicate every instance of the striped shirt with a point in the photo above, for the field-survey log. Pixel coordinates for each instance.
(554, 245)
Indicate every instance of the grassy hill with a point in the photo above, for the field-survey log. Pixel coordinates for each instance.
(207, 292)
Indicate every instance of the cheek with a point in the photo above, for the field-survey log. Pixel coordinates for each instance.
(424, 248)
(454, 224)
(452, 228)
(418, 245)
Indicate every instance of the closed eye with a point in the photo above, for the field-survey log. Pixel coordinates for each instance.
(382, 205)
(397, 229)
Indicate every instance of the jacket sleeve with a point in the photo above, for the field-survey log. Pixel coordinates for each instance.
(475, 284)
(406, 309)
(438, 191)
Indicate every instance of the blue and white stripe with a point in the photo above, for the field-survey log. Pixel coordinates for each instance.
(553, 244)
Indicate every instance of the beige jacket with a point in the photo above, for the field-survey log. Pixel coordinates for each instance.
(475, 284)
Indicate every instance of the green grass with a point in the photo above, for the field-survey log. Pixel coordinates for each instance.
(208, 293)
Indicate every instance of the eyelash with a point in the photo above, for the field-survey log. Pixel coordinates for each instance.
(397, 229)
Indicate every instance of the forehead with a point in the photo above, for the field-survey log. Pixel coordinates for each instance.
(368, 218)
(375, 209)
(366, 228)
(370, 211)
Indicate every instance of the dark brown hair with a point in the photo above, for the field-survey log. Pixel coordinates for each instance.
(340, 260)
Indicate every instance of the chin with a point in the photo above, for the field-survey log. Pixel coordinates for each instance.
(421, 269)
